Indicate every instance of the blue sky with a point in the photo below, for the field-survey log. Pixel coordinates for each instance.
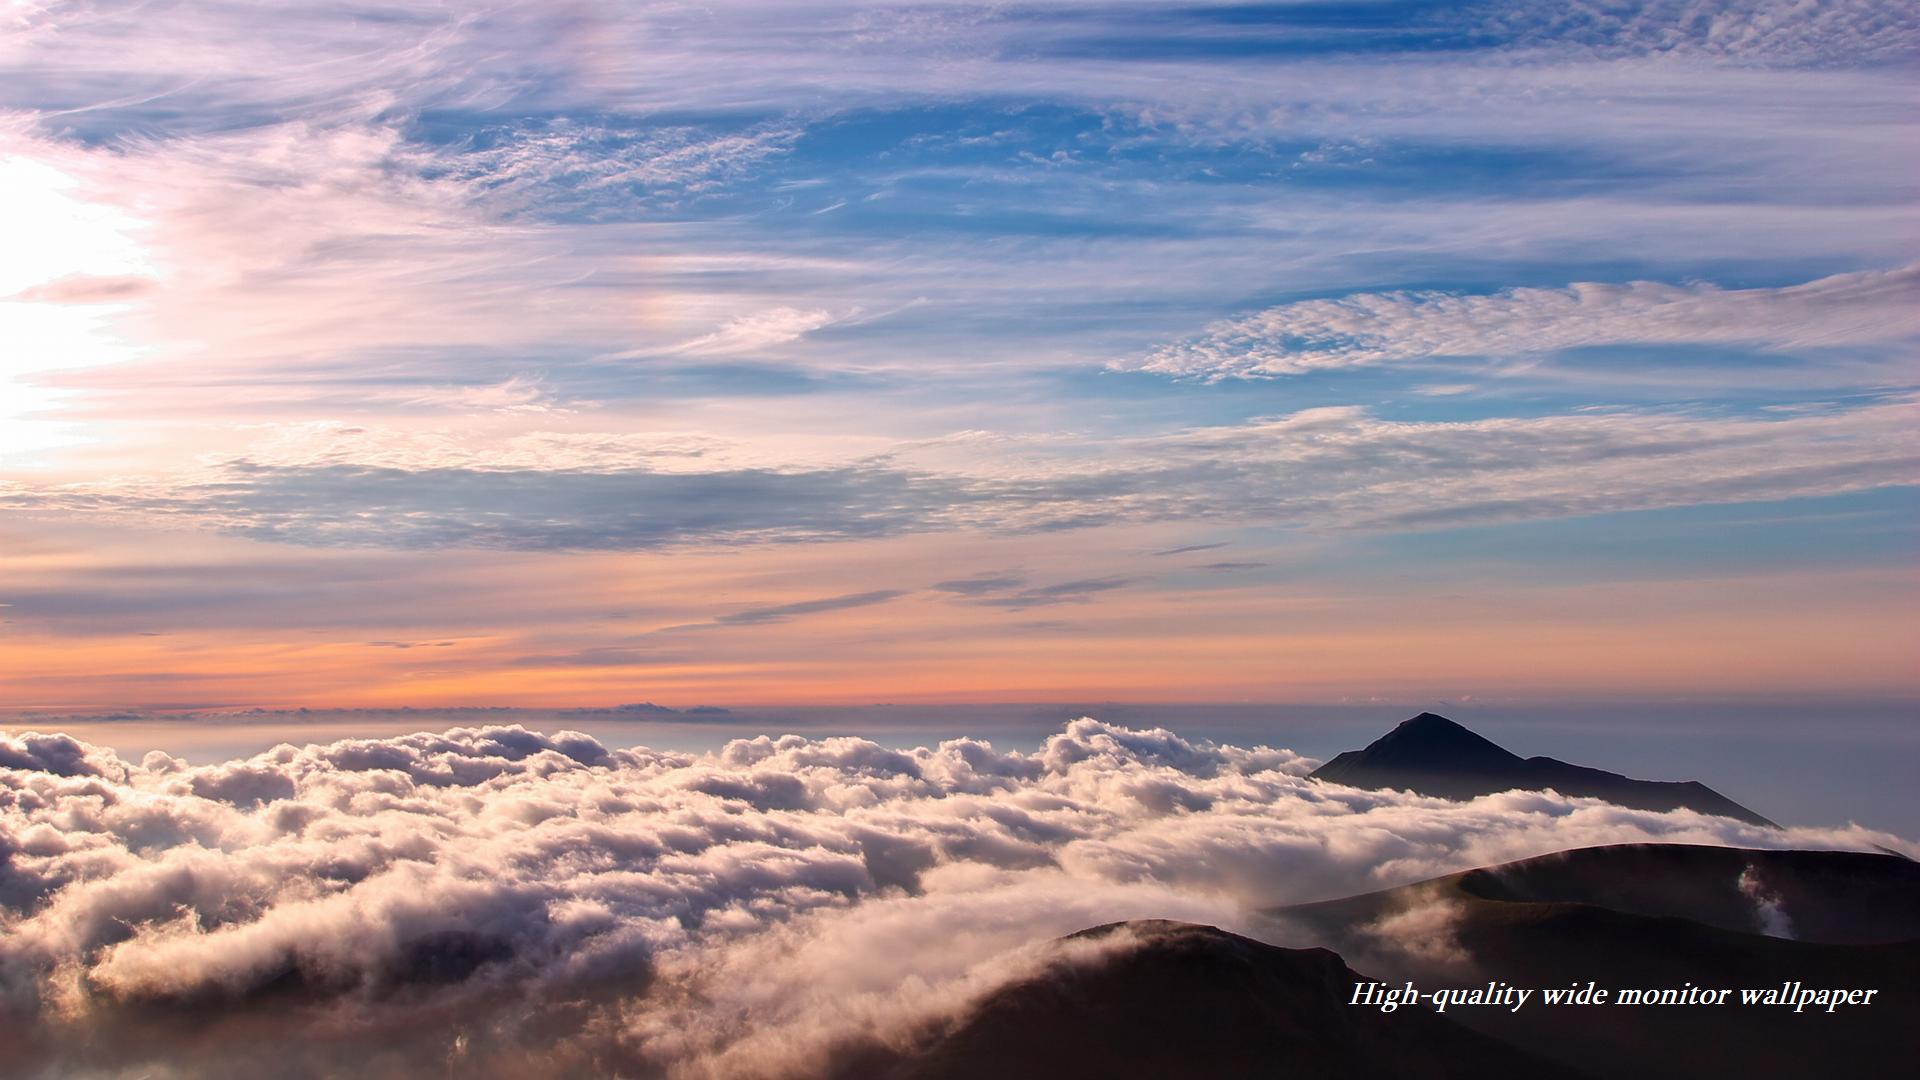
(577, 326)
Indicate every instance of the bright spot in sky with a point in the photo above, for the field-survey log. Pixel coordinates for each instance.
(63, 272)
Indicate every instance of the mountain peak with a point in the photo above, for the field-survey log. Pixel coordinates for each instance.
(1431, 725)
(1431, 741)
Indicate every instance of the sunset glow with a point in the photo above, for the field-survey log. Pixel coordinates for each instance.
(359, 365)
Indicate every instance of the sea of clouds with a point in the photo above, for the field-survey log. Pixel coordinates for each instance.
(498, 901)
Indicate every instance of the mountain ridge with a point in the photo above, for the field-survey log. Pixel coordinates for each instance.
(1651, 916)
(1153, 998)
(1182, 999)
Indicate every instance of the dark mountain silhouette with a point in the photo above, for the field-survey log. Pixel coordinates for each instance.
(1183, 1000)
(1652, 916)
(1167, 999)
(1433, 755)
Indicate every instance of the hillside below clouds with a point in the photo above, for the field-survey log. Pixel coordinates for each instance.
(1156, 998)
(1653, 916)
(1432, 755)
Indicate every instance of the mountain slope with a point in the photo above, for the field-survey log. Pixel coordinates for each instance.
(1165, 999)
(1433, 755)
(1185, 1000)
(1652, 916)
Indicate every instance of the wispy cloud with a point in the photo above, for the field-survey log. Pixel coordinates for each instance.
(1064, 592)
(623, 510)
(1866, 308)
(782, 612)
(1326, 468)
(1346, 466)
(563, 165)
(981, 585)
(605, 657)
(761, 330)
(517, 394)
(1760, 31)
(1188, 549)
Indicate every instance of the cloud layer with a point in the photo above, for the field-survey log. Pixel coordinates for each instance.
(1325, 468)
(496, 900)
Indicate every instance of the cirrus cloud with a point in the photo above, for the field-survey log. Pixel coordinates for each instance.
(1864, 308)
(760, 330)
(1324, 468)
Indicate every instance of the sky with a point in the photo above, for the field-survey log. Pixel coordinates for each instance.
(573, 354)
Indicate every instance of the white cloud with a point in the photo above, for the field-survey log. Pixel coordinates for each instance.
(517, 394)
(563, 161)
(1864, 308)
(330, 442)
(512, 900)
(759, 330)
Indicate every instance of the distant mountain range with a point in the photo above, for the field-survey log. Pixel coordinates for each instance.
(1432, 755)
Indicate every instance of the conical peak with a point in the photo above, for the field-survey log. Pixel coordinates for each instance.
(1434, 726)
(1433, 740)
